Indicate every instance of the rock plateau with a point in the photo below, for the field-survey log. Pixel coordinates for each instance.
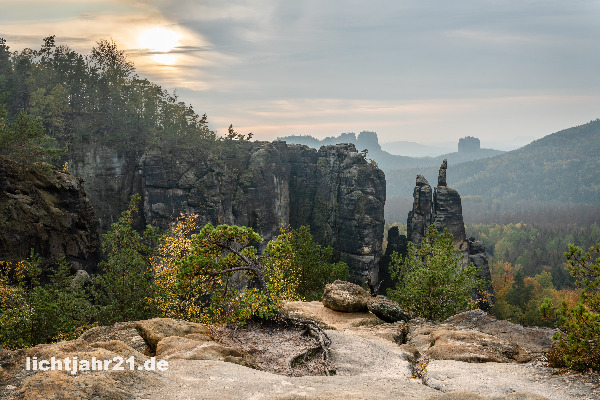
(469, 356)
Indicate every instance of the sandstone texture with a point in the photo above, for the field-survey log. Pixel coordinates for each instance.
(47, 211)
(263, 185)
(345, 297)
(421, 216)
(372, 360)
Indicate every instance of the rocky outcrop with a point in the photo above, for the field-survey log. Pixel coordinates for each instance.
(420, 217)
(469, 144)
(447, 208)
(445, 212)
(47, 211)
(263, 185)
(370, 362)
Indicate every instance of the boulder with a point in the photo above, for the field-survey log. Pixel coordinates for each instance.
(387, 310)
(345, 297)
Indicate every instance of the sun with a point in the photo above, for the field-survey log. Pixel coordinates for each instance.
(161, 41)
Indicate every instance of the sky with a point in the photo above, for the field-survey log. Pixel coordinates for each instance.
(426, 71)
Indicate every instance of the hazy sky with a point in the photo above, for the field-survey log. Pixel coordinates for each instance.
(425, 71)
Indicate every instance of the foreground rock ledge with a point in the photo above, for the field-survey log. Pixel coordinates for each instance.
(371, 364)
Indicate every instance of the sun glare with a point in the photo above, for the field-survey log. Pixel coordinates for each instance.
(160, 40)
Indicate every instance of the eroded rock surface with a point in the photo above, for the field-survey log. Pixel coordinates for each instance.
(370, 363)
(47, 211)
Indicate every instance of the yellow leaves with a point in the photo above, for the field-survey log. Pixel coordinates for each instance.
(193, 281)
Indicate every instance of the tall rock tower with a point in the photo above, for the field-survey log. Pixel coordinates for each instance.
(445, 212)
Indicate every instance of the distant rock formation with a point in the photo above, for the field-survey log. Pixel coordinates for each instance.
(468, 144)
(334, 190)
(46, 211)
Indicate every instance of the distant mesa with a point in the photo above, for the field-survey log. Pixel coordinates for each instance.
(468, 144)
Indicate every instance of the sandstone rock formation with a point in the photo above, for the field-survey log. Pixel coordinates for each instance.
(369, 361)
(420, 217)
(47, 211)
(469, 144)
(257, 184)
(445, 212)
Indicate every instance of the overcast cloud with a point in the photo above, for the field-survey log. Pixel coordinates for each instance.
(410, 70)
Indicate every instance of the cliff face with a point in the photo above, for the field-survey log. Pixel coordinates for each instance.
(49, 212)
(257, 184)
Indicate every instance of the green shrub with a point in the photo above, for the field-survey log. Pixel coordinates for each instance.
(32, 313)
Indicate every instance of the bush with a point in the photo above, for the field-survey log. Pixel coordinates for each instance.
(32, 313)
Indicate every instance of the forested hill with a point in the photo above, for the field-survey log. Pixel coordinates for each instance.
(559, 168)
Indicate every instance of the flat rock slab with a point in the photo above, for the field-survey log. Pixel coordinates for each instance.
(214, 380)
(500, 379)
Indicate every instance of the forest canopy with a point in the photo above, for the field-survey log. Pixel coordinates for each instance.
(98, 97)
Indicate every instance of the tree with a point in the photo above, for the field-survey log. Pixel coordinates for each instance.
(432, 282)
(217, 275)
(314, 263)
(125, 283)
(577, 346)
(25, 142)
